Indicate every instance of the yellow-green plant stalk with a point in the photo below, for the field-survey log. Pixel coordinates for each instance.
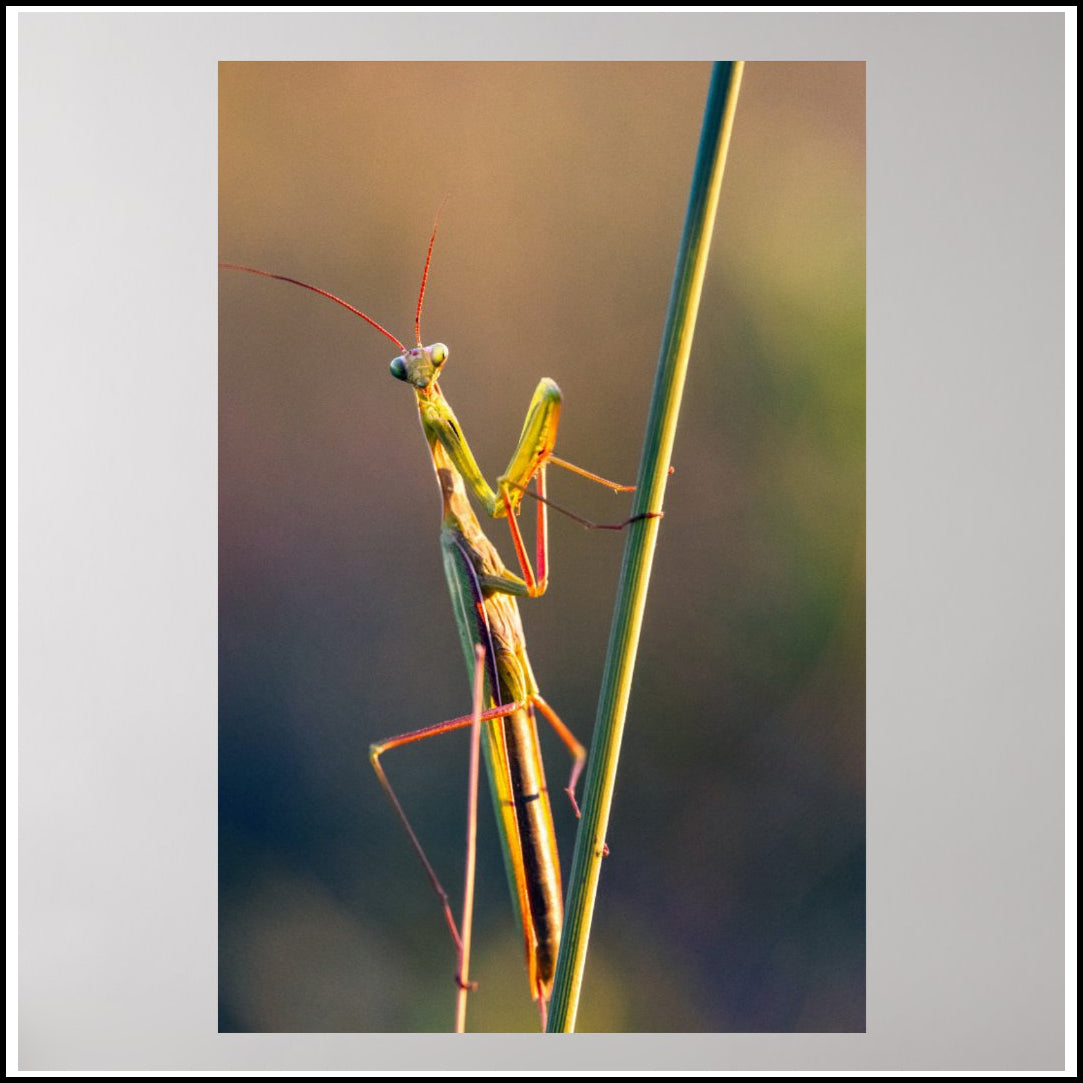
(642, 536)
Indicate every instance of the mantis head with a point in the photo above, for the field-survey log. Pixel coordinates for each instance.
(421, 366)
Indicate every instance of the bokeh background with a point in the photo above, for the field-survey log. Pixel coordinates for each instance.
(734, 895)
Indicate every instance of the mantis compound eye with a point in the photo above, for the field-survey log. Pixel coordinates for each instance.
(438, 353)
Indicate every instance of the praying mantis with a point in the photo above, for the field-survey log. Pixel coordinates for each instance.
(483, 594)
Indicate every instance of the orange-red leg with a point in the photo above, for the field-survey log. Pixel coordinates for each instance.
(475, 718)
(463, 976)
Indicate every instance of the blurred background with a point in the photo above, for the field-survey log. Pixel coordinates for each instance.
(734, 895)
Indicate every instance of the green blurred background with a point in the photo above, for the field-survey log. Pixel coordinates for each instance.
(734, 895)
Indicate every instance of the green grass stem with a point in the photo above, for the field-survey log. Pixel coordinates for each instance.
(642, 537)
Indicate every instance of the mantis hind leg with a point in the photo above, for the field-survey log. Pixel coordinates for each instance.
(578, 752)
(474, 720)
(463, 978)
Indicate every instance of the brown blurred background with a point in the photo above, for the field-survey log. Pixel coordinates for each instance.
(734, 895)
